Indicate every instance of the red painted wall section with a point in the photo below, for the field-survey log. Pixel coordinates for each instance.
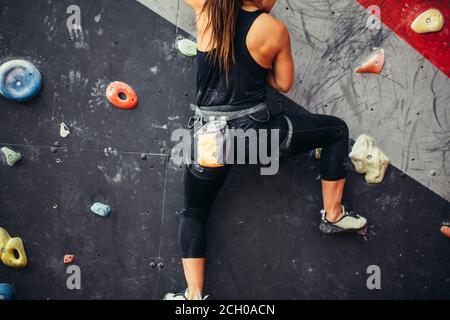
(398, 16)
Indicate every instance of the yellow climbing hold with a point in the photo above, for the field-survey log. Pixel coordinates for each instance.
(12, 252)
(431, 20)
(318, 153)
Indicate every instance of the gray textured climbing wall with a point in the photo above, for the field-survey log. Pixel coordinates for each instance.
(263, 244)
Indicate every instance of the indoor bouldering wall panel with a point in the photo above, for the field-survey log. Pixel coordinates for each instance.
(404, 108)
(264, 241)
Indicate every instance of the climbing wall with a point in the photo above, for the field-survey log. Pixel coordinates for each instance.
(264, 240)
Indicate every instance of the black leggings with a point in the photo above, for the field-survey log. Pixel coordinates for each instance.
(201, 185)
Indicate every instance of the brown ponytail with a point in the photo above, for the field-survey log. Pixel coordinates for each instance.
(222, 17)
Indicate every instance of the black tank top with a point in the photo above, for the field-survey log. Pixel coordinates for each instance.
(246, 79)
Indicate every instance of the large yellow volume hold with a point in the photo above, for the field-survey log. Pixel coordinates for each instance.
(431, 20)
(12, 252)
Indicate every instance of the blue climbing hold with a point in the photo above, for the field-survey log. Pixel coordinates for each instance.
(101, 209)
(7, 292)
(20, 80)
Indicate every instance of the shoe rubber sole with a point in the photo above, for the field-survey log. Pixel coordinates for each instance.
(330, 229)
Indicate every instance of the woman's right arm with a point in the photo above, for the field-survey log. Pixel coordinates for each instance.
(281, 76)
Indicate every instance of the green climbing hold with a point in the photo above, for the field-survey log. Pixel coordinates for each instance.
(101, 209)
(10, 156)
(187, 47)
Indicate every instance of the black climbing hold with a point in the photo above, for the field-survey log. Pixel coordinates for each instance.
(57, 144)
(53, 149)
(152, 264)
(160, 265)
(143, 156)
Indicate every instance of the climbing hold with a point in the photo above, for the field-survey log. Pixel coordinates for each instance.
(368, 159)
(143, 156)
(433, 173)
(20, 80)
(187, 47)
(69, 258)
(57, 144)
(64, 130)
(9, 156)
(318, 153)
(152, 264)
(445, 229)
(121, 95)
(373, 64)
(7, 292)
(101, 209)
(431, 20)
(12, 252)
(53, 149)
(161, 265)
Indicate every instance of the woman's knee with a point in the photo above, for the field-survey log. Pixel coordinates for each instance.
(344, 129)
(342, 126)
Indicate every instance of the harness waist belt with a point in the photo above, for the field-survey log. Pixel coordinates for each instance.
(228, 115)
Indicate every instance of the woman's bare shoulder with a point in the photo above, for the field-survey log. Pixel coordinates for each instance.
(197, 5)
(271, 29)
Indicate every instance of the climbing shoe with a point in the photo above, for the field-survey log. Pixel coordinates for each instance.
(184, 295)
(346, 223)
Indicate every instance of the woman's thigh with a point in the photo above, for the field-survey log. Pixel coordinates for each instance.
(311, 131)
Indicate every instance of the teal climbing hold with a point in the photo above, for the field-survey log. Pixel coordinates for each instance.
(187, 47)
(101, 209)
(9, 156)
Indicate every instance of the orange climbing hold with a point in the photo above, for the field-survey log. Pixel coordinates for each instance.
(445, 229)
(69, 258)
(121, 95)
(374, 63)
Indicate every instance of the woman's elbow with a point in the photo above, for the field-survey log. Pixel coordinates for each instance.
(285, 88)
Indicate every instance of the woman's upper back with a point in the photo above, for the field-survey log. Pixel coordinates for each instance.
(246, 84)
(262, 48)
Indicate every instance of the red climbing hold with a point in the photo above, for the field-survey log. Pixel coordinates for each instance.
(69, 258)
(121, 95)
(374, 63)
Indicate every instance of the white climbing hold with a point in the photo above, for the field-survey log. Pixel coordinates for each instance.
(431, 20)
(369, 159)
(64, 130)
(187, 47)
